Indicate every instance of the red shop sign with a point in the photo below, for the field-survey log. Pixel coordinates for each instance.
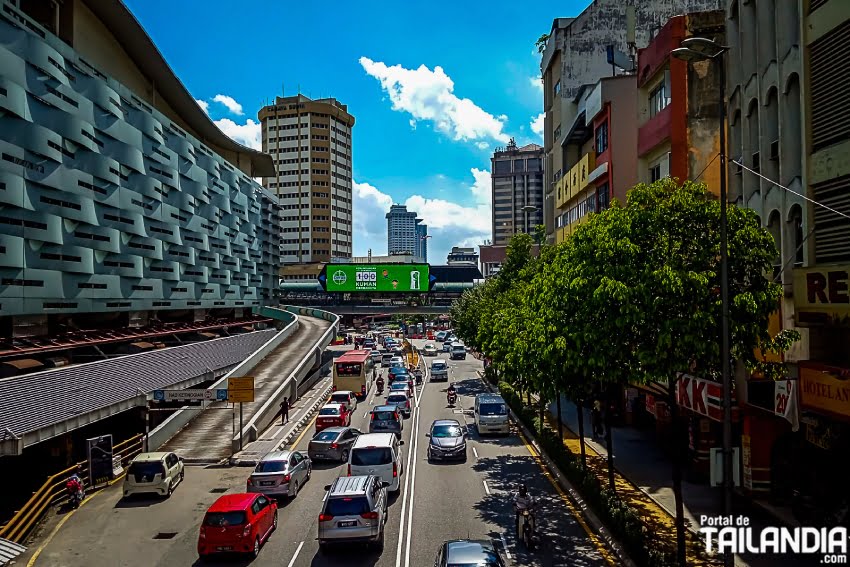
(704, 397)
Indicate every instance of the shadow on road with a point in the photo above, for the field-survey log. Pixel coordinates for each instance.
(345, 555)
(139, 502)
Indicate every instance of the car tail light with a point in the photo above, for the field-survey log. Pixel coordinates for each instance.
(349, 470)
(249, 482)
(395, 470)
(363, 390)
(370, 515)
(247, 531)
(287, 478)
(203, 534)
(334, 445)
(334, 388)
(325, 517)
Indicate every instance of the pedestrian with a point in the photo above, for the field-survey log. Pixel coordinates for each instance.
(284, 411)
(596, 418)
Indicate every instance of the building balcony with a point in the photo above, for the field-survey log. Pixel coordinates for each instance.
(655, 131)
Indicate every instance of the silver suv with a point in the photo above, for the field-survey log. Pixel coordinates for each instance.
(386, 419)
(354, 510)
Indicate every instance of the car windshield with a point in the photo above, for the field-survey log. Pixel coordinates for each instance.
(398, 386)
(326, 436)
(493, 409)
(222, 519)
(384, 415)
(438, 366)
(145, 469)
(329, 411)
(347, 506)
(340, 398)
(271, 466)
(446, 431)
(371, 456)
(397, 399)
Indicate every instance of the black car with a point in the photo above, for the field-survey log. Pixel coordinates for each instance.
(332, 444)
(468, 552)
(448, 440)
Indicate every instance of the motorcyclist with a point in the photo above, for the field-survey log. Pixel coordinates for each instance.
(380, 382)
(74, 487)
(451, 393)
(523, 501)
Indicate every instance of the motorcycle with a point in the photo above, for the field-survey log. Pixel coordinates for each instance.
(380, 385)
(418, 374)
(526, 528)
(451, 398)
(76, 493)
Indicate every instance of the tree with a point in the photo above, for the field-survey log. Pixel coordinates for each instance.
(541, 42)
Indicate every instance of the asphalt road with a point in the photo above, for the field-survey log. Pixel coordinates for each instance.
(437, 502)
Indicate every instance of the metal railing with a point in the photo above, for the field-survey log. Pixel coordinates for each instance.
(52, 492)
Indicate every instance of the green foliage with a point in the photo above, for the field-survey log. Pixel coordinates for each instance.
(541, 42)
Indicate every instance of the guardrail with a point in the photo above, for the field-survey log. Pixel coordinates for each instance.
(53, 492)
(180, 418)
(290, 385)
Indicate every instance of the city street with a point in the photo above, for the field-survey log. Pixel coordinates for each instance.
(437, 502)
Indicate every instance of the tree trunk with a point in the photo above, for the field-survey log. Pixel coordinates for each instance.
(609, 446)
(580, 410)
(560, 421)
(542, 403)
(678, 438)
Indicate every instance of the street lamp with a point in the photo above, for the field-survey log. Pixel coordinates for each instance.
(704, 49)
(528, 209)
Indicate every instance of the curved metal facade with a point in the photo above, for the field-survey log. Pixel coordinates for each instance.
(106, 204)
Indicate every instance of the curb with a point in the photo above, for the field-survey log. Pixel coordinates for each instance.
(567, 487)
(320, 400)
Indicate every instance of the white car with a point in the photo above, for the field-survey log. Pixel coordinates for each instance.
(344, 397)
(156, 473)
(430, 350)
(396, 361)
(400, 386)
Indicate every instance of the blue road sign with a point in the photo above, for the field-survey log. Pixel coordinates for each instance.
(159, 395)
(221, 394)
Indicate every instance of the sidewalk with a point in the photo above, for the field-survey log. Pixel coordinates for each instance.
(639, 459)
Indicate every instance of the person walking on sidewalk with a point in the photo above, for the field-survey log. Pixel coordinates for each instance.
(284, 411)
(596, 418)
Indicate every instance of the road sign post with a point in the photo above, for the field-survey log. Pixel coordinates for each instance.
(240, 389)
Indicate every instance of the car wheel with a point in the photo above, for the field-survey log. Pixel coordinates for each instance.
(345, 455)
(274, 521)
(309, 471)
(379, 545)
(182, 475)
(170, 489)
(293, 492)
(256, 551)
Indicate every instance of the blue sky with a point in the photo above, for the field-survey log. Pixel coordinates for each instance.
(433, 89)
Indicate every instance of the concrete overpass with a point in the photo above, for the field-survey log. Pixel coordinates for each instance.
(382, 309)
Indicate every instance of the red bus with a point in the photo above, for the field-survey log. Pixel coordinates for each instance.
(353, 371)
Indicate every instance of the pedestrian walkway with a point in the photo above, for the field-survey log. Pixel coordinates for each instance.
(644, 480)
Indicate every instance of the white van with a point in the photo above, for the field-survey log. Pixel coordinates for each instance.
(491, 414)
(378, 454)
(458, 351)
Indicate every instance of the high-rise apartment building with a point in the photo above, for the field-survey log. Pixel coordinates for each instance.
(405, 233)
(310, 141)
(517, 181)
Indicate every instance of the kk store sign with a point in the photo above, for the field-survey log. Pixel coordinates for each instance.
(703, 397)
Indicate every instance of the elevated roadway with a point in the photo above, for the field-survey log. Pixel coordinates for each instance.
(207, 438)
(437, 502)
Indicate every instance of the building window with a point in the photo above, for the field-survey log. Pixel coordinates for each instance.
(602, 138)
(602, 197)
(658, 99)
(655, 173)
(502, 166)
(558, 88)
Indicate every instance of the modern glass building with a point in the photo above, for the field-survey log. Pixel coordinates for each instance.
(117, 192)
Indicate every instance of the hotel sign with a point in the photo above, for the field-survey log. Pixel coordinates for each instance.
(822, 293)
(825, 389)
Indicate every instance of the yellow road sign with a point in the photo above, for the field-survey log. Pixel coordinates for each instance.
(240, 395)
(240, 383)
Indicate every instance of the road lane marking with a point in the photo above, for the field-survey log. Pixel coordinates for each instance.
(504, 545)
(486, 488)
(603, 550)
(61, 523)
(474, 452)
(412, 488)
(403, 509)
(297, 551)
(365, 414)
(306, 429)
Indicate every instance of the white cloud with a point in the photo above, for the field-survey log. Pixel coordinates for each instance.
(205, 106)
(449, 224)
(247, 134)
(231, 104)
(482, 145)
(537, 124)
(412, 123)
(536, 84)
(429, 95)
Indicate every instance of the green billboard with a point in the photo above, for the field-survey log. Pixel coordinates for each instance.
(380, 278)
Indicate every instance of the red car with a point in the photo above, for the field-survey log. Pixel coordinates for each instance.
(333, 415)
(237, 523)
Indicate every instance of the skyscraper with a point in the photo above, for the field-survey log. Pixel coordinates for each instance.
(405, 233)
(310, 141)
(517, 178)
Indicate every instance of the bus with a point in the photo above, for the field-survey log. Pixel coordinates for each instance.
(353, 371)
